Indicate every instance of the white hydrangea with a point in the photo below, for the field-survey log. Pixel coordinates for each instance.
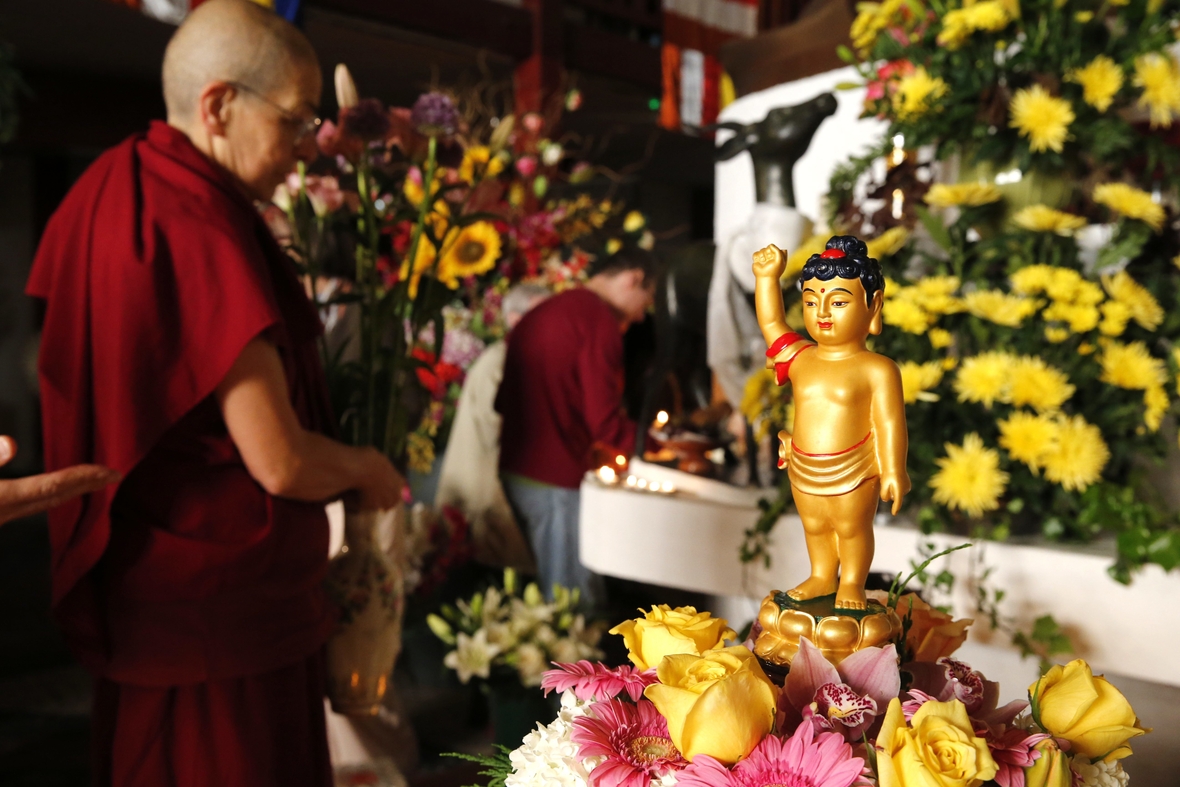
(548, 758)
(1098, 774)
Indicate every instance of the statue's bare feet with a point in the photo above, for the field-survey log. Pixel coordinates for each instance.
(812, 587)
(850, 597)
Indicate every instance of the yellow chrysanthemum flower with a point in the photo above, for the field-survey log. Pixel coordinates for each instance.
(1036, 384)
(1143, 306)
(479, 163)
(936, 286)
(1155, 400)
(918, 378)
(984, 378)
(888, 242)
(1042, 118)
(1042, 218)
(935, 294)
(1000, 307)
(1078, 456)
(468, 251)
(917, 94)
(943, 195)
(1131, 366)
(1115, 316)
(871, 22)
(1100, 79)
(1159, 77)
(423, 259)
(1080, 317)
(798, 258)
(969, 478)
(940, 338)
(1032, 279)
(1028, 438)
(906, 315)
(1131, 202)
(1055, 335)
(984, 15)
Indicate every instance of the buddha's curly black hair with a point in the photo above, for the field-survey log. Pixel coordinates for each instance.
(855, 264)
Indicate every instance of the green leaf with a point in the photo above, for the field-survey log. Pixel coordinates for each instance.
(937, 230)
(845, 54)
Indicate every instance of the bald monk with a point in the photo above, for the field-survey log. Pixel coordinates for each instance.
(180, 350)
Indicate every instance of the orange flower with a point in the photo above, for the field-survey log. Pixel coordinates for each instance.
(933, 633)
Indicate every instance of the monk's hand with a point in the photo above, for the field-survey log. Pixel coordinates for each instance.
(382, 487)
(23, 497)
(770, 262)
(894, 488)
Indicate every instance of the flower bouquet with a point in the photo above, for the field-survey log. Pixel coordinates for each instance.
(695, 709)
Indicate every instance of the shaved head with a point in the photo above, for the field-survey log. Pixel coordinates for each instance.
(231, 41)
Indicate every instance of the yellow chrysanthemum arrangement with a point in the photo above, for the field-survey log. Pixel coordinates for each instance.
(1159, 77)
(969, 478)
(1042, 218)
(1043, 118)
(944, 195)
(1100, 79)
(1131, 202)
(918, 94)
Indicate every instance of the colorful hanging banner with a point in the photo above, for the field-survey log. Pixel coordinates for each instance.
(695, 88)
(174, 11)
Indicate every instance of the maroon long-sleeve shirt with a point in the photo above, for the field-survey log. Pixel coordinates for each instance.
(562, 390)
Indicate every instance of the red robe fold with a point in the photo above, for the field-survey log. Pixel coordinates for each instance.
(156, 272)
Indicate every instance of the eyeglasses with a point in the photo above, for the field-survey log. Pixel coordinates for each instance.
(304, 127)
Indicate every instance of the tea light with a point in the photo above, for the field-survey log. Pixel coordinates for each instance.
(641, 483)
(607, 475)
(632, 481)
(661, 419)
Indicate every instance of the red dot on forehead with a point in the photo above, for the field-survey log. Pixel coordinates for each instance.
(821, 289)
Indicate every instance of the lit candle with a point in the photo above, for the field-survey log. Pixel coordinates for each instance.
(642, 483)
(631, 481)
(661, 419)
(607, 475)
(621, 460)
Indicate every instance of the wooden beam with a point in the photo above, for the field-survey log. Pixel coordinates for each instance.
(607, 54)
(479, 23)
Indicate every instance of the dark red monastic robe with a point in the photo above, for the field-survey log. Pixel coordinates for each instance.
(191, 593)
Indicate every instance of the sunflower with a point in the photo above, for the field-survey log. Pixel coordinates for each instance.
(1131, 366)
(1143, 307)
(1028, 438)
(468, 251)
(1038, 385)
(916, 94)
(1115, 316)
(1000, 307)
(888, 242)
(1131, 202)
(1042, 218)
(984, 378)
(1159, 77)
(423, 259)
(1100, 79)
(1155, 400)
(907, 315)
(1079, 455)
(918, 378)
(942, 195)
(969, 477)
(1041, 117)
(478, 163)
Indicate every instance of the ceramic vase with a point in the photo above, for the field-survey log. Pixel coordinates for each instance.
(366, 580)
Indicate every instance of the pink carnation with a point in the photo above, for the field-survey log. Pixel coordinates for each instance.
(803, 760)
(634, 740)
(596, 681)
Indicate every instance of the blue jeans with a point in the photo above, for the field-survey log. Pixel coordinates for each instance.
(549, 517)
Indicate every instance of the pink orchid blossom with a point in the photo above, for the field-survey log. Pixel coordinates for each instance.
(806, 759)
(634, 740)
(596, 681)
(1013, 751)
(948, 679)
(849, 698)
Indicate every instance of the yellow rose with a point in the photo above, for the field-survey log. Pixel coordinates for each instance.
(938, 749)
(1051, 769)
(1072, 704)
(665, 631)
(720, 704)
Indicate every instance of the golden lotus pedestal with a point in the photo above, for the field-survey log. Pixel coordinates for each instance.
(838, 633)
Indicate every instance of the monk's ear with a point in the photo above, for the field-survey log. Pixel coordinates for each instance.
(875, 321)
(213, 107)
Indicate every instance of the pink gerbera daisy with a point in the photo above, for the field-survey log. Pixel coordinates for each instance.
(802, 760)
(595, 681)
(633, 739)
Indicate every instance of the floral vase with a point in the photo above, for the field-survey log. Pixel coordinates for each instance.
(366, 580)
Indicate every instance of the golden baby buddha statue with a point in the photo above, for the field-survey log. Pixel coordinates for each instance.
(848, 450)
